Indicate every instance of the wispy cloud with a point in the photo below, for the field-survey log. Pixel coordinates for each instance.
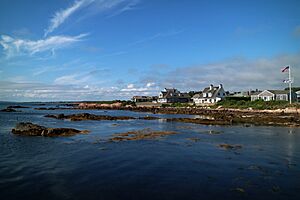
(131, 5)
(60, 16)
(91, 7)
(156, 36)
(73, 79)
(14, 46)
(297, 31)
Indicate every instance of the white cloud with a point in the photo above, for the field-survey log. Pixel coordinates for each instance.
(235, 74)
(16, 46)
(130, 86)
(150, 84)
(133, 89)
(60, 16)
(30, 91)
(73, 79)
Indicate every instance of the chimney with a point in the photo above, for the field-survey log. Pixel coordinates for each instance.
(220, 86)
(211, 87)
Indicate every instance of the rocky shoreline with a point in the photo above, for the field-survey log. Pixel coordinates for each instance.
(209, 118)
(206, 116)
(219, 116)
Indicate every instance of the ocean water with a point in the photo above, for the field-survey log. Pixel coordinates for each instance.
(173, 167)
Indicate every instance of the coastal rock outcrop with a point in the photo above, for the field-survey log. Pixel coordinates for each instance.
(100, 106)
(8, 110)
(87, 116)
(18, 107)
(30, 129)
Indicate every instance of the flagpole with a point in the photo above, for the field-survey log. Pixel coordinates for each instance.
(290, 84)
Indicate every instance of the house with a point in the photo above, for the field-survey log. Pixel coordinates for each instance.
(173, 96)
(274, 95)
(298, 96)
(254, 96)
(244, 93)
(210, 95)
(137, 99)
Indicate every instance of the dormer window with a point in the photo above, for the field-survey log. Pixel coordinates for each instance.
(204, 94)
(209, 94)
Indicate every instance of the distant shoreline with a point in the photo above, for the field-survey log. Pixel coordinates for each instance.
(207, 116)
(219, 116)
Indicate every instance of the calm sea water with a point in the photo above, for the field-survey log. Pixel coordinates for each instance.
(174, 167)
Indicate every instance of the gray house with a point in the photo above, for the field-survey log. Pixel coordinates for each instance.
(144, 98)
(173, 96)
(298, 96)
(273, 95)
(210, 95)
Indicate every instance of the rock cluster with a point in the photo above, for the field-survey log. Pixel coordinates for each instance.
(30, 129)
(87, 116)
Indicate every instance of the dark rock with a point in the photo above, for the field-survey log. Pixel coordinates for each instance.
(18, 107)
(43, 108)
(87, 116)
(149, 118)
(230, 146)
(30, 129)
(8, 110)
(199, 121)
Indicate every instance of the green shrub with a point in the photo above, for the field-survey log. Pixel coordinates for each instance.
(258, 104)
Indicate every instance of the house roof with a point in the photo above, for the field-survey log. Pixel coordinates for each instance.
(255, 93)
(197, 96)
(213, 90)
(142, 97)
(279, 91)
(174, 93)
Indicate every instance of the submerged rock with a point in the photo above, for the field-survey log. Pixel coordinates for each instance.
(195, 139)
(230, 146)
(149, 118)
(141, 135)
(200, 121)
(8, 110)
(30, 129)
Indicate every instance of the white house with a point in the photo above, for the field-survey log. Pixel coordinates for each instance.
(210, 95)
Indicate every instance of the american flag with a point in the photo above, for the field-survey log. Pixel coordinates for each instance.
(285, 69)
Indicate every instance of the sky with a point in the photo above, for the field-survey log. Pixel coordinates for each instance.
(63, 50)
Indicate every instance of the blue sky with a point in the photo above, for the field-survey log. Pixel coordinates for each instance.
(114, 49)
